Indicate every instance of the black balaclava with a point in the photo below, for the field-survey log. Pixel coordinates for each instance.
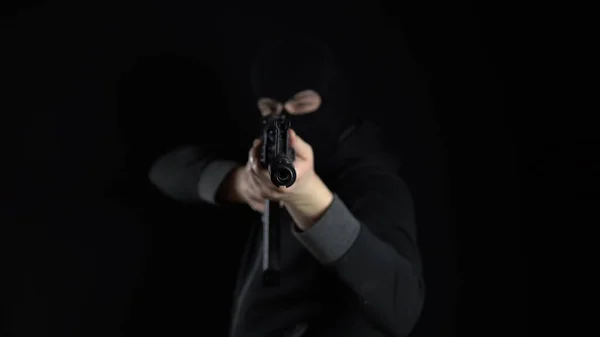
(295, 63)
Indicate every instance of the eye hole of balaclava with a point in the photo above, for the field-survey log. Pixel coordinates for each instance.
(302, 103)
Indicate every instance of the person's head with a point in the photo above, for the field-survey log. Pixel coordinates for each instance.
(300, 75)
(297, 70)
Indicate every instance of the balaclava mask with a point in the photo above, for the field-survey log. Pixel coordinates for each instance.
(296, 63)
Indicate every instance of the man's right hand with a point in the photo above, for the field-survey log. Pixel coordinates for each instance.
(239, 188)
(244, 186)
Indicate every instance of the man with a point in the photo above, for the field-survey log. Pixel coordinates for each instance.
(349, 259)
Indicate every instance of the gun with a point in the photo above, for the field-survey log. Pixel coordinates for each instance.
(277, 156)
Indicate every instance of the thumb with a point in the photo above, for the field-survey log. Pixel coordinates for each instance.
(302, 148)
(253, 153)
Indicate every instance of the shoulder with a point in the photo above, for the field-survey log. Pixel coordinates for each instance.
(364, 166)
(362, 147)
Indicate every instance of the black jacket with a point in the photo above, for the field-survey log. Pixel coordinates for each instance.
(357, 272)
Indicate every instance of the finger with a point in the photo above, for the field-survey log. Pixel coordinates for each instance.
(253, 193)
(258, 170)
(302, 148)
(258, 206)
(256, 200)
(256, 167)
(264, 179)
(262, 175)
(255, 143)
(254, 186)
(253, 152)
(266, 189)
(256, 197)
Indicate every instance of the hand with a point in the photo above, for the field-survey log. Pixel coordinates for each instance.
(239, 189)
(305, 200)
(252, 184)
(303, 164)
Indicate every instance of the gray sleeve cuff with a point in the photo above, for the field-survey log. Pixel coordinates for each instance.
(211, 178)
(333, 235)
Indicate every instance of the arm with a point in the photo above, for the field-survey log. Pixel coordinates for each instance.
(369, 241)
(191, 174)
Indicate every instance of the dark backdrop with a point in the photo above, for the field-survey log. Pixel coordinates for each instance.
(96, 90)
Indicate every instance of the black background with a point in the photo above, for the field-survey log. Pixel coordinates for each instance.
(96, 90)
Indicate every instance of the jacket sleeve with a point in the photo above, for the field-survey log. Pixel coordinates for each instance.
(368, 238)
(190, 174)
